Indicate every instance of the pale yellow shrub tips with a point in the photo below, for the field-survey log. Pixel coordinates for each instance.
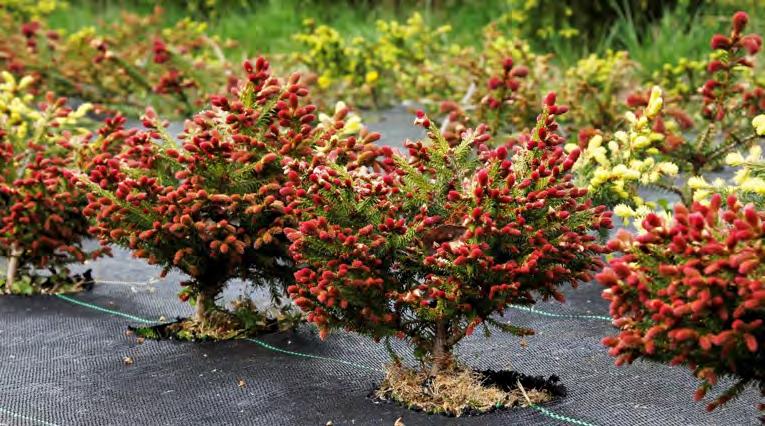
(747, 180)
(352, 123)
(613, 170)
(759, 125)
(629, 214)
(748, 183)
(20, 118)
(15, 104)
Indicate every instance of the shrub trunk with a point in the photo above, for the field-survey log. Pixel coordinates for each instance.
(442, 349)
(205, 300)
(13, 266)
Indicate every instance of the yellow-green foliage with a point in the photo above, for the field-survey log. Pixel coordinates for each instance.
(682, 78)
(374, 70)
(524, 20)
(595, 86)
(343, 66)
(31, 9)
(614, 169)
(416, 55)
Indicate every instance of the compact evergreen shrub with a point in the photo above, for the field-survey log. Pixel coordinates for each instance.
(501, 87)
(212, 204)
(41, 222)
(689, 291)
(445, 239)
(498, 83)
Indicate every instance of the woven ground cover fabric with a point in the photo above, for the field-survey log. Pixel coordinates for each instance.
(62, 363)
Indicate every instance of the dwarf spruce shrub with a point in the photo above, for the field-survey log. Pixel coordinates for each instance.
(42, 227)
(689, 291)
(212, 204)
(445, 238)
(499, 94)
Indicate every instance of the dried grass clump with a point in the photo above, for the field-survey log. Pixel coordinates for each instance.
(453, 392)
(220, 326)
(244, 319)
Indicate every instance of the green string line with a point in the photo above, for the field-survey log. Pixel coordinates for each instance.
(104, 310)
(20, 416)
(265, 345)
(559, 417)
(257, 341)
(569, 316)
(300, 354)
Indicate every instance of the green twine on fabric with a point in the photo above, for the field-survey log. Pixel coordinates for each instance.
(268, 346)
(567, 316)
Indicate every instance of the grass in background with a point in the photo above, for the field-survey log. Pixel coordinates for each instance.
(266, 26)
(679, 33)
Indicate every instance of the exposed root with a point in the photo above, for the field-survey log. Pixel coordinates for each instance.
(453, 392)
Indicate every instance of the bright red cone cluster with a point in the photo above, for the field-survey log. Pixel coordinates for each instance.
(733, 51)
(41, 222)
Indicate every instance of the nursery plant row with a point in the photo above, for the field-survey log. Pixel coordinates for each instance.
(508, 198)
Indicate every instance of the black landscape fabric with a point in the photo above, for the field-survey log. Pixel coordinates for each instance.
(64, 363)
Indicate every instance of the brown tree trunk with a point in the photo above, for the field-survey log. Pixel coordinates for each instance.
(200, 314)
(207, 287)
(442, 350)
(13, 265)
